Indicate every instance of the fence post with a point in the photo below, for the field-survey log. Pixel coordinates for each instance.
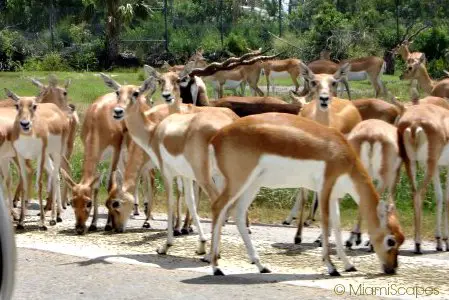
(280, 17)
(166, 25)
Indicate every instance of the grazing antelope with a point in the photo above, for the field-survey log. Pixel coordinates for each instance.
(327, 110)
(418, 71)
(40, 132)
(423, 138)
(376, 144)
(97, 146)
(290, 66)
(284, 151)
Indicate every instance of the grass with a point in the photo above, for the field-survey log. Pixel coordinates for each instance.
(271, 206)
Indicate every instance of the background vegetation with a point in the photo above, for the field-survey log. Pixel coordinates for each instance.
(83, 35)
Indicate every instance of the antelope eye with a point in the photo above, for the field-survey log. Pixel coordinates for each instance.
(115, 204)
(334, 84)
(16, 106)
(34, 107)
(117, 93)
(409, 68)
(313, 83)
(89, 204)
(65, 94)
(135, 94)
(391, 242)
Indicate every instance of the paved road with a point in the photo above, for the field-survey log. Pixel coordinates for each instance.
(125, 266)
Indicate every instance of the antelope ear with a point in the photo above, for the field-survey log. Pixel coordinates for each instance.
(12, 95)
(94, 180)
(67, 83)
(37, 83)
(110, 82)
(149, 85)
(67, 178)
(343, 71)
(306, 72)
(151, 72)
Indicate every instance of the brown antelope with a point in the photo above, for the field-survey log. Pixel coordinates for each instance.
(376, 144)
(418, 71)
(197, 58)
(325, 109)
(280, 150)
(290, 66)
(423, 138)
(97, 145)
(40, 132)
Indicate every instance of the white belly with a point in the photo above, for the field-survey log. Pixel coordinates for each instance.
(28, 147)
(283, 172)
(283, 74)
(229, 84)
(177, 164)
(357, 75)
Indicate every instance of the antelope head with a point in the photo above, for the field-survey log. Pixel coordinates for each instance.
(387, 239)
(119, 203)
(26, 108)
(127, 95)
(53, 93)
(324, 86)
(81, 200)
(412, 69)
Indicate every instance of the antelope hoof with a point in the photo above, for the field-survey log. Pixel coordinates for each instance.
(177, 232)
(20, 227)
(52, 222)
(298, 240)
(318, 242)
(93, 227)
(249, 230)
(44, 228)
(349, 244)
(371, 248)
(285, 223)
(108, 227)
(334, 273)
(418, 248)
(14, 204)
(218, 272)
(58, 219)
(185, 231)
(146, 225)
(439, 249)
(351, 269)
(265, 270)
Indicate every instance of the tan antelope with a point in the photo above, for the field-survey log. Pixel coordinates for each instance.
(97, 146)
(178, 144)
(377, 145)
(284, 151)
(327, 110)
(40, 132)
(290, 66)
(197, 58)
(423, 138)
(418, 71)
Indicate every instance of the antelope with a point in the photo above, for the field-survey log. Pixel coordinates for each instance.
(325, 109)
(197, 58)
(97, 146)
(281, 150)
(40, 132)
(52, 93)
(290, 66)
(418, 71)
(376, 144)
(177, 145)
(423, 138)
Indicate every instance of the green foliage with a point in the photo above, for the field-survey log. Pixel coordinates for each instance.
(436, 67)
(13, 49)
(52, 61)
(236, 44)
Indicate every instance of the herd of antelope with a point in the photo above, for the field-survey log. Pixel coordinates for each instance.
(231, 147)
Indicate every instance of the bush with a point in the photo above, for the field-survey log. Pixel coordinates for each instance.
(52, 61)
(13, 49)
(236, 44)
(436, 68)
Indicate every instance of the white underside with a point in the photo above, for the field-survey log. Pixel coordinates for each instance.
(283, 74)
(30, 147)
(356, 76)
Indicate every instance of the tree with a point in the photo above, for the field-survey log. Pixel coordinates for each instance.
(118, 14)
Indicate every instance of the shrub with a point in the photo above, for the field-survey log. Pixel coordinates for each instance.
(52, 61)
(236, 44)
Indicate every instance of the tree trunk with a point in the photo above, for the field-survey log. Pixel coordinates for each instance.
(389, 60)
(112, 31)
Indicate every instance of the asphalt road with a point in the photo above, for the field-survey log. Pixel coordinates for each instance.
(58, 264)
